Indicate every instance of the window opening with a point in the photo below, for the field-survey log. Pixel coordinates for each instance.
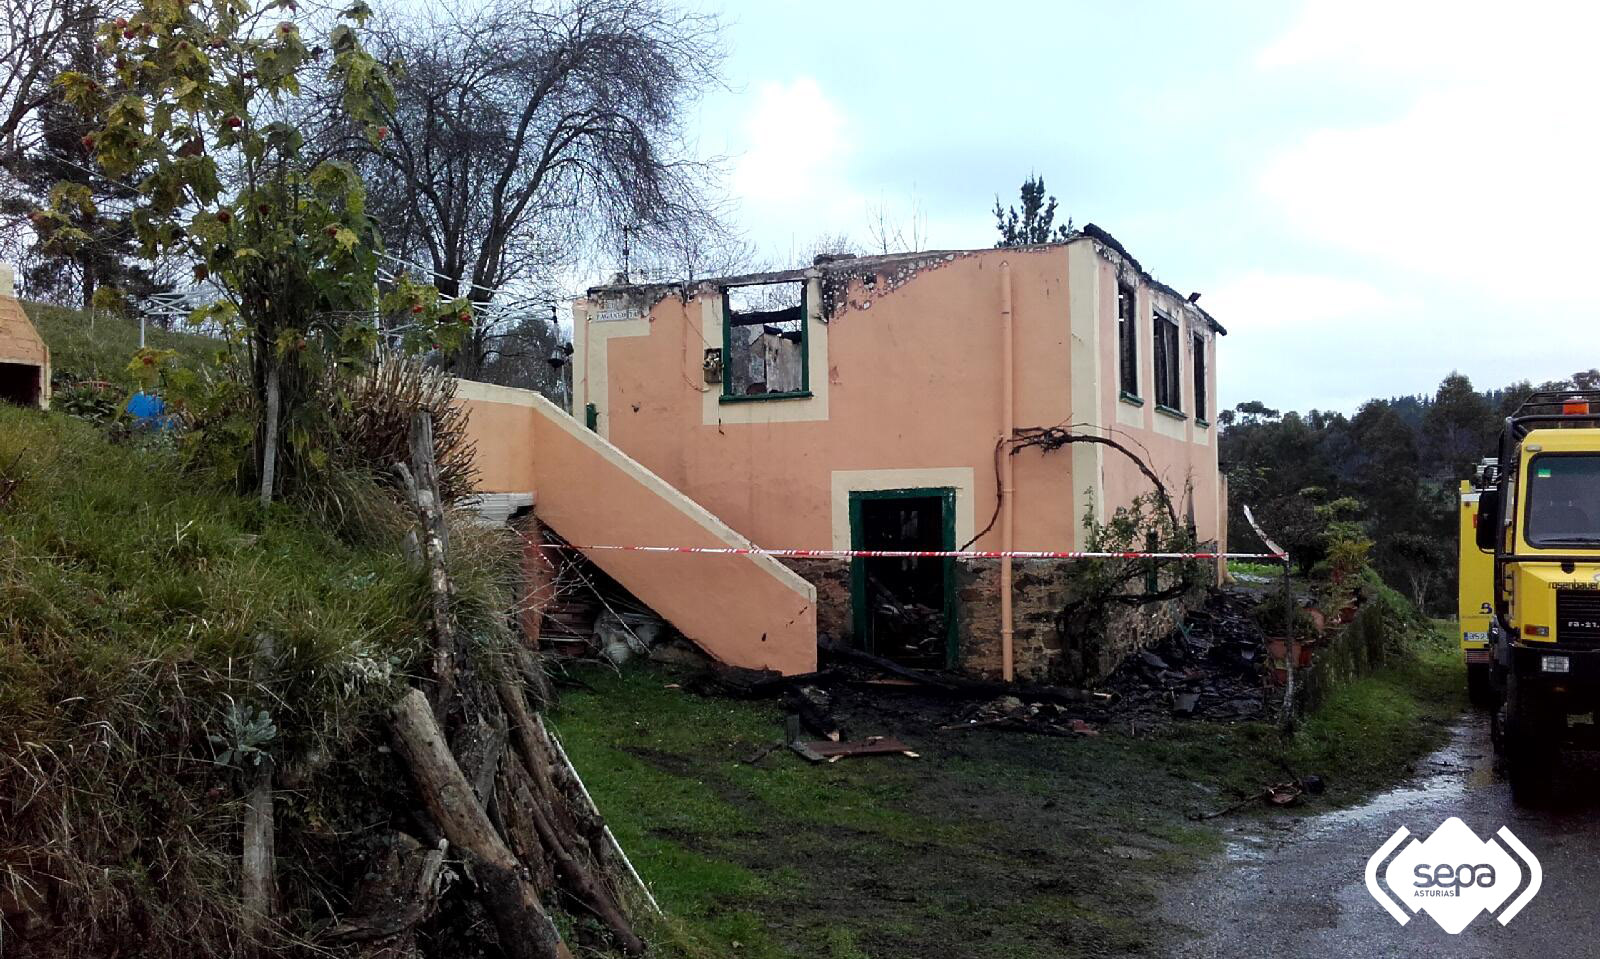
(1167, 368)
(1128, 339)
(764, 341)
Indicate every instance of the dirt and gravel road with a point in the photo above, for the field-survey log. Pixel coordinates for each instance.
(1292, 888)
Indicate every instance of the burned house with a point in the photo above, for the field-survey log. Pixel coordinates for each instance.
(862, 403)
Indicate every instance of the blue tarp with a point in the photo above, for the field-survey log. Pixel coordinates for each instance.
(148, 409)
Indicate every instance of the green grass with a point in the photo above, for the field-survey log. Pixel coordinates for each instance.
(132, 597)
(99, 346)
(1254, 569)
(991, 844)
(108, 545)
(1370, 727)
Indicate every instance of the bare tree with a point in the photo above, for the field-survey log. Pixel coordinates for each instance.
(694, 251)
(33, 34)
(531, 352)
(823, 244)
(526, 142)
(35, 39)
(892, 235)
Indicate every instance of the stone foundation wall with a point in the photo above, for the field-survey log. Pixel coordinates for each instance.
(1040, 652)
(831, 577)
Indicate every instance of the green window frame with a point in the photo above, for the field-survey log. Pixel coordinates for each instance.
(727, 355)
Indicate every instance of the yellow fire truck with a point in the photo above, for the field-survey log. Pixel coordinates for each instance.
(1475, 591)
(1542, 521)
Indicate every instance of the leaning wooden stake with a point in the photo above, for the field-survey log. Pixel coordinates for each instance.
(422, 486)
(555, 831)
(535, 840)
(258, 888)
(525, 930)
(594, 810)
(269, 439)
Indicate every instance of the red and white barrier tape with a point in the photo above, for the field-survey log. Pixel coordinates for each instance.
(913, 553)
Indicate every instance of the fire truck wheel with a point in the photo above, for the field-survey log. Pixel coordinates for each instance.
(1479, 688)
(1531, 732)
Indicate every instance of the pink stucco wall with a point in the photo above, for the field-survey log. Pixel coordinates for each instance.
(914, 380)
(1185, 460)
(911, 364)
(506, 435)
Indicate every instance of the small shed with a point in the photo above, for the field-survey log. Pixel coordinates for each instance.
(24, 359)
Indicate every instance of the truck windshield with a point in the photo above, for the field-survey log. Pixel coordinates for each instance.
(1564, 500)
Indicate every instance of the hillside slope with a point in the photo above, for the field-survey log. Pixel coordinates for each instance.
(131, 600)
(99, 347)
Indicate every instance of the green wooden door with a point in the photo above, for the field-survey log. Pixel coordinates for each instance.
(872, 526)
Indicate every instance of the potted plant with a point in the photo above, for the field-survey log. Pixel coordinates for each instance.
(1289, 633)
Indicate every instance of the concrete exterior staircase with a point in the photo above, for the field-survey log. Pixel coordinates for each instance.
(748, 611)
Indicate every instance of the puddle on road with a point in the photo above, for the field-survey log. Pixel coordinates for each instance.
(1442, 787)
(1445, 776)
(1245, 849)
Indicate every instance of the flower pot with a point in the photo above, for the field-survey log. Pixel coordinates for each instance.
(1347, 614)
(1277, 675)
(1278, 651)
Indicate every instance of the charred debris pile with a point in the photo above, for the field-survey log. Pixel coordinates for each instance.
(1210, 668)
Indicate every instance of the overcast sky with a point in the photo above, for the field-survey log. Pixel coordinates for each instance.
(1368, 193)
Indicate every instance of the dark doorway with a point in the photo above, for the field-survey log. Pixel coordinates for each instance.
(19, 384)
(905, 608)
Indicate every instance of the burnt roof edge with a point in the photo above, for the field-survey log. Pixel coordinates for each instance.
(1104, 238)
(1090, 231)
